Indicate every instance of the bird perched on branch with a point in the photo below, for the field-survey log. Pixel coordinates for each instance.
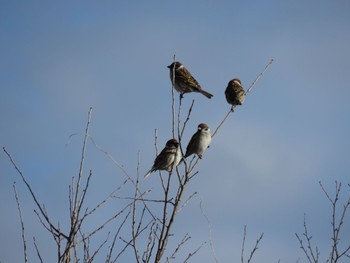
(184, 81)
(235, 93)
(168, 158)
(199, 142)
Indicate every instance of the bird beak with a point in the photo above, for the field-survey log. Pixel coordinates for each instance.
(169, 66)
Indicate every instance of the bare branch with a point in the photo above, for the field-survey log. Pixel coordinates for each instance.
(108, 259)
(303, 247)
(222, 122)
(22, 224)
(134, 234)
(81, 200)
(99, 248)
(151, 242)
(255, 248)
(243, 244)
(77, 187)
(335, 254)
(165, 228)
(194, 252)
(121, 168)
(37, 250)
(180, 134)
(183, 241)
(173, 98)
(258, 77)
(186, 202)
(336, 222)
(108, 221)
(111, 195)
(31, 192)
(129, 243)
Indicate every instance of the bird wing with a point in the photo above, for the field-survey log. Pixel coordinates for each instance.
(192, 144)
(185, 76)
(165, 159)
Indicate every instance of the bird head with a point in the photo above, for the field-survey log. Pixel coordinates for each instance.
(235, 81)
(176, 65)
(203, 127)
(173, 143)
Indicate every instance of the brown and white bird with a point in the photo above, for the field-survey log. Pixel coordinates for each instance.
(234, 92)
(199, 142)
(168, 158)
(184, 81)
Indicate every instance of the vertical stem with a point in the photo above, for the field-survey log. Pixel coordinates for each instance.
(82, 161)
(173, 98)
(164, 222)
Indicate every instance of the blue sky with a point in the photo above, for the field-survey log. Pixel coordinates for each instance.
(262, 170)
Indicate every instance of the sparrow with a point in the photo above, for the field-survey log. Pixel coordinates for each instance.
(235, 93)
(169, 157)
(199, 142)
(184, 81)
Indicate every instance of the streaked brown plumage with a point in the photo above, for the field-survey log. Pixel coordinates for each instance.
(184, 81)
(234, 93)
(169, 157)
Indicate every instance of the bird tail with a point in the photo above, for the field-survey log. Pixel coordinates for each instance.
(205, 93)
(148, 173)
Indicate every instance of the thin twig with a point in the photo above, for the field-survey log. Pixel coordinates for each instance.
(37, 250)
(186, 202)
(335, 254)
(258, 77)
(120, 167)
(255, 248)
(309, 245)
(22, 224)
(180, 134)
(108, 259)
(173, 98)
(221, 123)
(129, 243)
(164, 229)
(146, 200)
(194, 252)
(82, 198)
(99, 248)
(183, 241)
(151, 242)
(108, 221)
(133, 222)
(243, 243)
(77, 201)
(77, 187)
(32, 194)
(111, 195)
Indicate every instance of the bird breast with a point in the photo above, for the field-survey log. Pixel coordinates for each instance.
(204, 141)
